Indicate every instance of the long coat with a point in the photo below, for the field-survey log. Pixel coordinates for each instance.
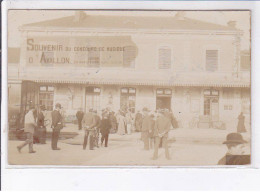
(138, 121)
(89, 121)
(105, 126)
(56, 120)
(241, 124)
(80, 115)
(162, 126)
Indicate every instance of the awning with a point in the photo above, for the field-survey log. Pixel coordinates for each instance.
(145, 83)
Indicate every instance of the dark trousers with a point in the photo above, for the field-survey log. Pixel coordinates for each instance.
(164, 144)
(43, 136)
(29, 140)
(104, 137)
(91, 139)
(55, 138)
(80, 123)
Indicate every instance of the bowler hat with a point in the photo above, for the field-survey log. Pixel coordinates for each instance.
(58, 105)
(234, 138)
(42, 107)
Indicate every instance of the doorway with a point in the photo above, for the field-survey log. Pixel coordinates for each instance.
(211, 107)
(163, 102)
(92, 98)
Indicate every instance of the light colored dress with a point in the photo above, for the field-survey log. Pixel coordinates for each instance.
(121, 125)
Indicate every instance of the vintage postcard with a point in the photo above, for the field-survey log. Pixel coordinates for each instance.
(129, 88)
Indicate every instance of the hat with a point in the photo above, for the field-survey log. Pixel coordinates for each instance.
(42, 107)
(58, 105)
(234, 138)
(145, 109)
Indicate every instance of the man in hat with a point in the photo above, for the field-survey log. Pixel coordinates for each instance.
(138, 121)
(29, 126)
(146, 127)
(161, 129)
(56, 126)
(235, 154)
(97, 127)
(89, 123)
(79, 116)
(40, 125)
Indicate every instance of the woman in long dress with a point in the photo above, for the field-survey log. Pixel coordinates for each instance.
(241, 123)
(128, 122)
(121, 124)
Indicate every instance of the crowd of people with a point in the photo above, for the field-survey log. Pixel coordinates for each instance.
(153, 125)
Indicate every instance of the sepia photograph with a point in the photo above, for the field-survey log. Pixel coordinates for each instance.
(129, 88)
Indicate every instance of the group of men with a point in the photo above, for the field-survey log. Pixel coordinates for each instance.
(155, 129)
(93, 125)
(35, 128)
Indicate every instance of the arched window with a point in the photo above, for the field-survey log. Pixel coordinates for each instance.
(165, 58)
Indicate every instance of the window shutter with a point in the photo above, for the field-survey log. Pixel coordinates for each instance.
(245, 62)
(211, 60)
(164, 58)
(129, 56)
(93, 58)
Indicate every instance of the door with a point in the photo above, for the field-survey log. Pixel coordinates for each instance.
(214, 109)
(92, 98)
(211, 108)
(163, 102)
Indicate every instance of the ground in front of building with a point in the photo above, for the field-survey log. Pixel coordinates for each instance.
(187, 147)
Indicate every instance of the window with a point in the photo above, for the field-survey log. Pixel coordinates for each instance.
(228, 93)
(93, 58)
(46, 97)
(164, 58)
(245, 101)
(127, 99)
(228, 107)
(211, 60)
(129, 55)
(93, 98)
(163, 92)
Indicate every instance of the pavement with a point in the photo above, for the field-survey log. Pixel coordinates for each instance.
(192, 147)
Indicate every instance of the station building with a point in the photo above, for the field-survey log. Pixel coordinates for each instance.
(192, 67)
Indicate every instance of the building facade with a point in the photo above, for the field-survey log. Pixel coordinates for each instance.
(83, 61)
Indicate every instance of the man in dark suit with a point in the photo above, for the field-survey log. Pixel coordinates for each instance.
(40, 125)
(236, 153)
(56, 126)
(79, 116)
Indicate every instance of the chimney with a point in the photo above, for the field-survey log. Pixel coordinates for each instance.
(180, 15)
(79, 16)
(232, 24)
